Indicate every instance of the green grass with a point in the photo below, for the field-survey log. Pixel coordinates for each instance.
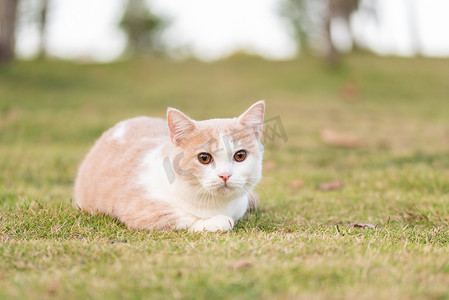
(298, 245)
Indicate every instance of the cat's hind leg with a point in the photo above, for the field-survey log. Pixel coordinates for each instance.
(148, 215)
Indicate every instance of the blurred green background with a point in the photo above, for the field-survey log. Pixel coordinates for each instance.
(387, 151)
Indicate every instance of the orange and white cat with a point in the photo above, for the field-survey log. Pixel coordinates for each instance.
(178, 173)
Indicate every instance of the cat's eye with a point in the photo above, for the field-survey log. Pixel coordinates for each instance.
(204, 158)
(240, 155)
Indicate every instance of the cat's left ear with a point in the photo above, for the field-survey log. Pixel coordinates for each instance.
(180, 125)
(253, 118)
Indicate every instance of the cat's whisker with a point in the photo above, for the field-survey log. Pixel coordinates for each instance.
(246, 191)
(198, 198)
(265, 177)
(211, 201)
(260, 187)
(204, 202)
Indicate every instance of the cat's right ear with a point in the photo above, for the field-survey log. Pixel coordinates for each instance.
(179, 125)
(253, 117)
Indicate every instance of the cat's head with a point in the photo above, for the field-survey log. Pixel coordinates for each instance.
(221, 157)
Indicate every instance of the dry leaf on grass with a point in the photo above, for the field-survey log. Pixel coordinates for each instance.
(9, 114)
(297, 183)
(350, 91)
(53, 287)
(331, 185)
(333, 138)
(241, 264)
(360, 225)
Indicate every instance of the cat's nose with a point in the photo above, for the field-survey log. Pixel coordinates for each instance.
(225, 176)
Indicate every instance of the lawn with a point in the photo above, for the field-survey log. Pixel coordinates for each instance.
(299, 244)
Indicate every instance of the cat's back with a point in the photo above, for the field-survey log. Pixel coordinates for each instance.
(136, 134)
(139, 129)
(110, 166)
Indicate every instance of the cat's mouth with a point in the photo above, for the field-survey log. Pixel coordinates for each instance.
(222, 188)
(225, 188)
(228, 189)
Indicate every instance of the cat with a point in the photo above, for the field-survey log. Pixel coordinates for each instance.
(175, 174)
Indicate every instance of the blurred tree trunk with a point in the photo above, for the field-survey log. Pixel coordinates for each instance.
(8, 14)
(338, 9)
(142, 28)
(331, 54)
(42, 24)
(313, 20)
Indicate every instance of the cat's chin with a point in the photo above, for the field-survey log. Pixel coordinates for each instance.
(228, 191)
(224, 189)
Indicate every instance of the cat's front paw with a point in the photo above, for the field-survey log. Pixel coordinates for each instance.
(213, 224)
